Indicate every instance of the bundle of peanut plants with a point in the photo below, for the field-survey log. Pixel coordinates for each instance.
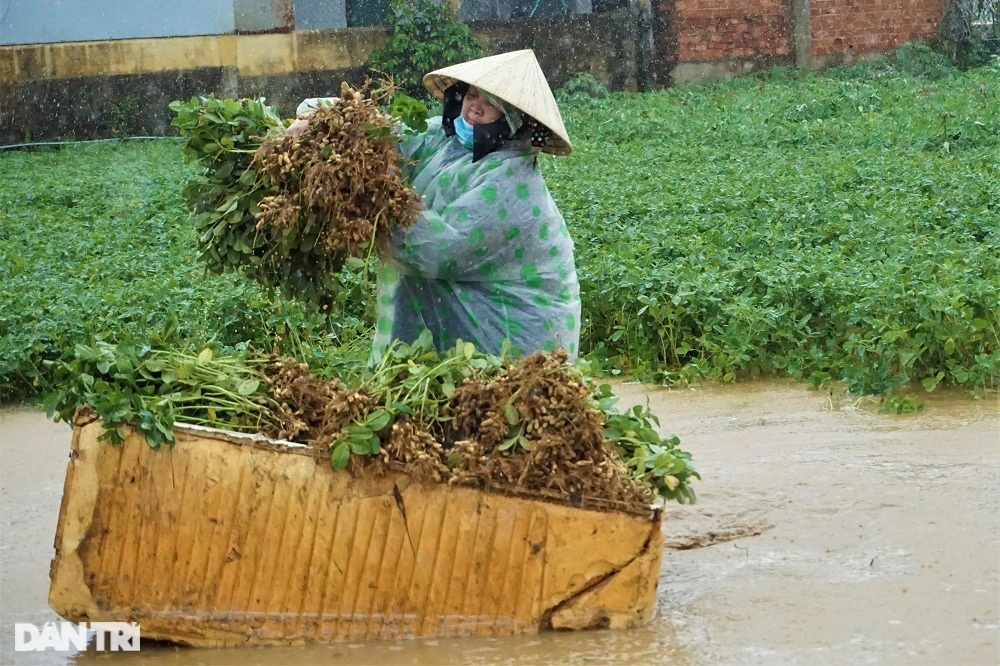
(292, 211)
(535, 426)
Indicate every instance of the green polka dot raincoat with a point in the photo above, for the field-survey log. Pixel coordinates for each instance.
(490, 259)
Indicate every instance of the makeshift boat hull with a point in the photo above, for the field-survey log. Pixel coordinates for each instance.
(238, 540)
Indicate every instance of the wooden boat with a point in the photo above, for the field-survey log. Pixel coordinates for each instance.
(234, 539)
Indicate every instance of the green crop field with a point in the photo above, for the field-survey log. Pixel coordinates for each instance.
(843, 226)
(839, 226)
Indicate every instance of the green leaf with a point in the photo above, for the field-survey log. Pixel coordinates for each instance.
(357, 430)
(931, 383)
(339, 455)
(359, 446)
(248, 387)
(378, 420)
(510, 412)
(124, 365)
(949, 346)
(516, 435)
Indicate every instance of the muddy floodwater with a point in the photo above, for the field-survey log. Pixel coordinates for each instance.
(825, 533)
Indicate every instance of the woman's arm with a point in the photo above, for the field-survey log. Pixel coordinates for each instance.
(305, 109)
(478, 235)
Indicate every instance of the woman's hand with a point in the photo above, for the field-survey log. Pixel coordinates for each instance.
(297, 128)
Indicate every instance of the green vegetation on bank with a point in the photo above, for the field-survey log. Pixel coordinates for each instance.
(843, 225)
(95, 242)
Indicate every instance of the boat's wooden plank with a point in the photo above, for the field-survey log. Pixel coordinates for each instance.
(386, 575)
(296, 587)
(107, 462)
(212, 516)
(627, 591)
(424, 516)
(450, 562)
(339, 595)
(492, 603)
(464, 614)
(125, 533)
(272, 549)
(528, 602)
(366, 574)
(455, 569)
(150, 493)
(321, 562)
(235, 550)
(167, 541)
(72, 573)
(288, 580)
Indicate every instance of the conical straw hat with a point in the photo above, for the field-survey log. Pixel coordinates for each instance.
(515, 78)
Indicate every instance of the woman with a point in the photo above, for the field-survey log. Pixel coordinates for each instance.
(490, 259)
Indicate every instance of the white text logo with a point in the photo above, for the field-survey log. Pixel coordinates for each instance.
(65, 636)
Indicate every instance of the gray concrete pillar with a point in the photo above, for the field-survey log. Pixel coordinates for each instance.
(642, 15)
(801, 33)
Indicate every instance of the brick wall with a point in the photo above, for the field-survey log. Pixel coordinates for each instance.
(839, 26)
(718, 29)
(721, 37)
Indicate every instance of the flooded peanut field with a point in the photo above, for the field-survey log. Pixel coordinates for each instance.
(825, 533)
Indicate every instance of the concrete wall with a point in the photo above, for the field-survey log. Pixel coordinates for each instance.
(52, 21)
(94, 89)
(604, 45)
(505, 10)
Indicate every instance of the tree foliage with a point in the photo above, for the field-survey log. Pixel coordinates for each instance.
(423, 37)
